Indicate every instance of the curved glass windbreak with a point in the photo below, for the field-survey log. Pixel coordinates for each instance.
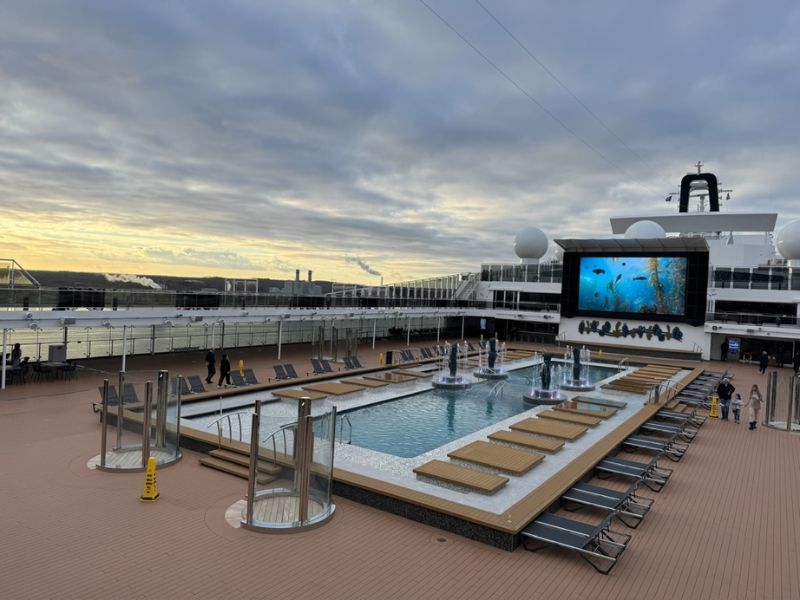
(290, 484)
(140, 412)
(782, 402)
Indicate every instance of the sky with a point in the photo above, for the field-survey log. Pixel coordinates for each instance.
(400, 139)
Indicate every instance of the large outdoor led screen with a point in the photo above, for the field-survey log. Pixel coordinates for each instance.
(654, 285)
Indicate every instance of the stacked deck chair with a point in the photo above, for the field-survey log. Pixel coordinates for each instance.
(250, 376)
(624, 505)
(425, 353)
(289, 368)
(347, 363)
(649, 474)
(326, 366)
(196, 384)
(317, 367)
(356, 363)
(280, 373)
(470, 347)
(667, 448)
(598, 545)
(113, 398)
(129, 395)
(237, 379)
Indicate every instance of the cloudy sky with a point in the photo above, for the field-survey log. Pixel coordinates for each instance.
(403, 138)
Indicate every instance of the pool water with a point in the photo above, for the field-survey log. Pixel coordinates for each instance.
(411, 425)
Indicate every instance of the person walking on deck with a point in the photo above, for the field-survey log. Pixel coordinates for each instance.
(763, 362)
(224, 371)
(725, 391)
(723, 350)
(736, 406)
(754, 404)
(796, 362)
(211, 361)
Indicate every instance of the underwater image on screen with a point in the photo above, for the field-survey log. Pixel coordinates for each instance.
(641, 284)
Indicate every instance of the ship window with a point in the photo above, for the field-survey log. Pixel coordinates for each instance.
(722, 278)
(760, 278)
(741, 278)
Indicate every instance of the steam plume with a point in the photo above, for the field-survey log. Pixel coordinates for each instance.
(143, 281)
(364, 266)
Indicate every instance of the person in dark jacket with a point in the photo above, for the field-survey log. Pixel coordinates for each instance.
(224, 371)
(723, 350)
(725, 392)
(211, 362)
(796, 362)
(763, 362)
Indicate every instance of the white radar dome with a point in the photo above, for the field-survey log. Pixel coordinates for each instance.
(645, 230)
(530, 243)
(788, 241)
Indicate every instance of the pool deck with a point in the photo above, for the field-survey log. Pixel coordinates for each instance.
(726, 526)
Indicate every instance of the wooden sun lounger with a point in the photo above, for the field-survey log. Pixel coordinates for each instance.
(562, 415)
(624, 505)
(598, 545)
(487, 483)
(334, 388)
(367, 383)
(552, 428)
(417, 374)
(537, 442)
(589, 410)
(600, 401)
(389, 377)
(498, 457)
(298, 394)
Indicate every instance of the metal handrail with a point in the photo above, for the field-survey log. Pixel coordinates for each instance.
(227, 418)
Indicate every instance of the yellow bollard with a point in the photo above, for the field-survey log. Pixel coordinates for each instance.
(241, 367)
(380, 359)
(714, 407)
(150, 493)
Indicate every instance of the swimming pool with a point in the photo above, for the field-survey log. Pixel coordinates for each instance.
(414, 424)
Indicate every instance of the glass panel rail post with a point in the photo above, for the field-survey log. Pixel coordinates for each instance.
(120, 396)
(794, 398)
(772, 392)
(161, 408)
(148, 407)
(104, 430)
(254, 455)
(302, 455)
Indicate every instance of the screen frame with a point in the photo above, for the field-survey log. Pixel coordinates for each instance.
(694, 291)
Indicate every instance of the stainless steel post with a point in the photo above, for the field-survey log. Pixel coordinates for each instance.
(255, 428)
(280, 337)
(120, 396)
(462, 328)
(161, 408)
(374, 327)
(148, 409)
(772, 391)
(408, 331)
(5, 348)
(124, 345)
(104, 430)
(302, 462)
(794, 389)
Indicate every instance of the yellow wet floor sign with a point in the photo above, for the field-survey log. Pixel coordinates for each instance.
(150, 493)
(714, 407)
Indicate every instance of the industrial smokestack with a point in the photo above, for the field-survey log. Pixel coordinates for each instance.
(309, 276)
(297, 274)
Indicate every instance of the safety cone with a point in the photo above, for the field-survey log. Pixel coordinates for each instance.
(150, 493)
(714, 407)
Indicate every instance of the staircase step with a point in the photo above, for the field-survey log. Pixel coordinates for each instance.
(244, 461)
(234, 469)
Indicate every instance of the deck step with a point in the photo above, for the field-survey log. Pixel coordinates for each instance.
(449, 472)
(234, 469)
(546, 444)
(498, 457)
(243, 460)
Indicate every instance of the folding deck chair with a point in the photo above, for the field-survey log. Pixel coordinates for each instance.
(317, 367)
(129, 395)
(356, 363)
(185, 389)
(598, 545)
(280, 374)
(625, 506)
(687, 434)
(250, 376)
(425, 353)
(196, 384)
(650, 474)
(237, 379)
(347, 363)
(665, 448)
(289, 368)
(470, 347)
(326, 366)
